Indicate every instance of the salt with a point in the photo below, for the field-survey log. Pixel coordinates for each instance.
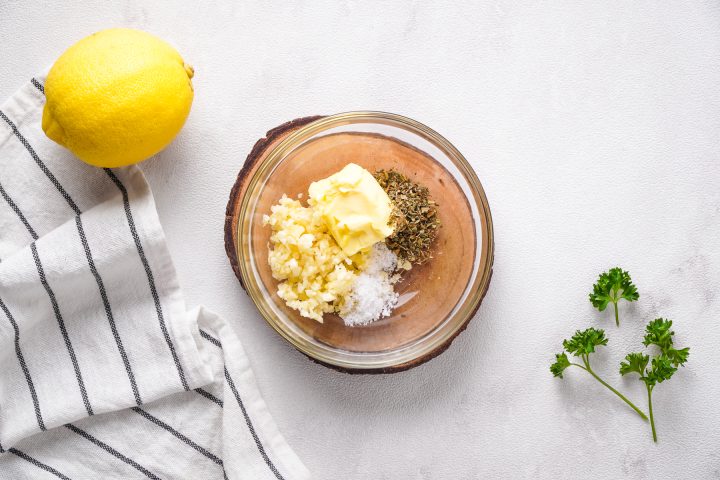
(372, 296)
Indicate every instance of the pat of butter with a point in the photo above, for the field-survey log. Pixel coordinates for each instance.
(354, 207)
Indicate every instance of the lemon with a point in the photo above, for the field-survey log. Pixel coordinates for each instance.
(117, 97)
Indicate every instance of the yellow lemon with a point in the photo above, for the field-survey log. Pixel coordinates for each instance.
(117, 97)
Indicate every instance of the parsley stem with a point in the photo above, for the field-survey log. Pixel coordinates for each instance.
(622, 397)
(652, 419)
(617, 319)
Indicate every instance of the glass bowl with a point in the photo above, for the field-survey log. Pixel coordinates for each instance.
(437, 299)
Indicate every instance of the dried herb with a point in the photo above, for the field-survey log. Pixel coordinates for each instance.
(416, 219)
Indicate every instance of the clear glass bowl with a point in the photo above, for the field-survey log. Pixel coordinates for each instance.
(437, 299)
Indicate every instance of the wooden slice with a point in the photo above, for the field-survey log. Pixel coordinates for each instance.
(256, 155)
(332, 332)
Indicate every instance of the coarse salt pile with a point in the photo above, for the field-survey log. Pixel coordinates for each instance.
(372, 295)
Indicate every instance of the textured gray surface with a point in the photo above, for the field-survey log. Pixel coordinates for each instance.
(594, 127)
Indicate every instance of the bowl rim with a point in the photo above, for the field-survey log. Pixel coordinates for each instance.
(486, 251)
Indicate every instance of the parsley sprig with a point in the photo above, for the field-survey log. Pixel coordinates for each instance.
(662, 367)
(582, 345)
(613, 286)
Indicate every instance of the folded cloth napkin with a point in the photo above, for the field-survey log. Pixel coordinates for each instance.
(103, 372)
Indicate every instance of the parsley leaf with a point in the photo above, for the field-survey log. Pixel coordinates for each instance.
(635, 362)
(662, 369)
(658, 333)
(582, 345)
(611, 287)
(678, 357)
(584, 342)
(561, 363)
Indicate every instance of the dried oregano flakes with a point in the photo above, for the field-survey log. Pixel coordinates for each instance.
(415, 217)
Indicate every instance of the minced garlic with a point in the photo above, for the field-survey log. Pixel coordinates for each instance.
(315, 274)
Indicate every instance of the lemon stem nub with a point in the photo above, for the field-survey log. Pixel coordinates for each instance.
(189, 70)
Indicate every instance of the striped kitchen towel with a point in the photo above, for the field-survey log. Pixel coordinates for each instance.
(103, 372)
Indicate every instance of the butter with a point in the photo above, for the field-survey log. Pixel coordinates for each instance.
(354, 207)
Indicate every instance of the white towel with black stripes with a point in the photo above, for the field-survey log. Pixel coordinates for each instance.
(103, 372)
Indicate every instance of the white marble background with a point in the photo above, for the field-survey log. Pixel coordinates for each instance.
(595, 129)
